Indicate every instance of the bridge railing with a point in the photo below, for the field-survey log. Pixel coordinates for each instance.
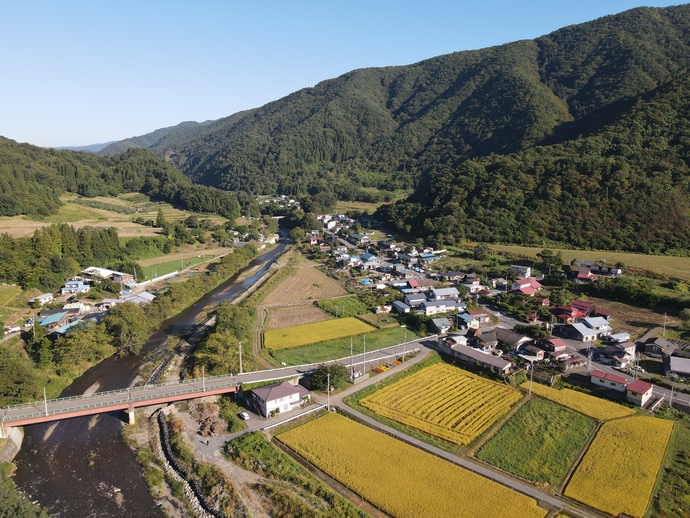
(207, 379)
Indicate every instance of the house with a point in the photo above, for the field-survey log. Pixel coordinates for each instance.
(95, 272)
(141, 298)
(433, 307)
(580, 274)
(514, 341)
(619, 337)
(599, 325)
(441, 325)
(54, 320)
(527, 286)
(480, 314)
(73, 287)
(521, 271)
(609, 381)
(360, 239)
(415, 300)
(677, 367)
(615, 356)
(556, 348)
(579, 331)
(41, 300)
(486, 341)
(639, 392)
(400, 307)
(543, 301)
(586, 308)
(534, 352)
(466, 321)
(279, 397)
(453, 340)
(567, 314)
(658, 347)
(79, 306)
(452, 276)
(372, 258)
(476, 357)
(428, 258)
(444, 294)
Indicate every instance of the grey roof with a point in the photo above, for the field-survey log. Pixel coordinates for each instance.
(680, 365)
(509, 337)
(445, 292)
(487, 359)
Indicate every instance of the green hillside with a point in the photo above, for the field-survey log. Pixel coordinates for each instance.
(32, 179)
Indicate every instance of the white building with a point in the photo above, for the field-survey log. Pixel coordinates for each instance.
(279, 397)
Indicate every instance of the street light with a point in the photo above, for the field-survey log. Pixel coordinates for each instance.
(531, 376)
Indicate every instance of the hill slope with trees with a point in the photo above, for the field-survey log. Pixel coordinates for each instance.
(374, 131)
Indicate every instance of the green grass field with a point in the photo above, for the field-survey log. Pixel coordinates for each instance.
(540, 442)
(340, 347)
(663, 264)
(343, 307)
(166, 267)
(7, 293)
(296, 336)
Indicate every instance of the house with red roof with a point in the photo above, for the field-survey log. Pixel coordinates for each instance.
(567, 314)
(527, 286)
(587, 308)
(609, 381)
(639, 392)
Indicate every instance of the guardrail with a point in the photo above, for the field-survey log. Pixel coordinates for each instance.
(190, 386)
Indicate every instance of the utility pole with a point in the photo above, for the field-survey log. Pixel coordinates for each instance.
(352, 368)
(45, 401)
(203, 380)
(240, 357)
(531, 376)
(364, 357)
(663, 333)
(328, 391)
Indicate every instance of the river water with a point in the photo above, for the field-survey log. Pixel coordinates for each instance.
(80, 467)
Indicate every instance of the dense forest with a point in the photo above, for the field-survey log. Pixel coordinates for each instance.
(32, 179)
(519, 143)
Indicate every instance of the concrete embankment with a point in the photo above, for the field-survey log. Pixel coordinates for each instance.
(10, 447)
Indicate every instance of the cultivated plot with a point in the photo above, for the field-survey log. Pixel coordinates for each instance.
(540, 442)
(444, 401)
(401, 479)
(294, 316)
(599, 409)
(308, 283)
(311, 333)
(619, 470)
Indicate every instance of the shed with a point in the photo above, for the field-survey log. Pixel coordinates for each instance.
(639, 392)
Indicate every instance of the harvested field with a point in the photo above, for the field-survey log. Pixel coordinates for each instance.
(663, 264)
(631, 319)
(307, 284)
(294, 316)
(400, 479)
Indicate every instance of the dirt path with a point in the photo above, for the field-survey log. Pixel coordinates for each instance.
(257, 342)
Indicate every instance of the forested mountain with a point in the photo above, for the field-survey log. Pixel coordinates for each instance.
(91, 148)
(183, 131)
(426, 125)
(32, 179)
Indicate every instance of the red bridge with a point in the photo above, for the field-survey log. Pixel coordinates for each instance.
(131, 398)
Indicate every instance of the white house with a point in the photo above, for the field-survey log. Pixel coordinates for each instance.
(279, 397)
(444, 293)
(609, 381)
(580, 332)
(638, 392)
(599, 325)
(42, 299)
(522, 271)
(72, 287)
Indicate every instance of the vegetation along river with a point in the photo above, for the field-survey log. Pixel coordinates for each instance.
(81, 467)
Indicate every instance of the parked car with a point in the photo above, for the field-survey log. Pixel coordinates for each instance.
(243, 415)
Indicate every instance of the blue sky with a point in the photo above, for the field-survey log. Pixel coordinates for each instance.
(77, 73)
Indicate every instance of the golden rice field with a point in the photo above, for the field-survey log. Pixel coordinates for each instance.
(445, 402)
(619, 470)
(316, 332)
(400, 479)
(591, 406)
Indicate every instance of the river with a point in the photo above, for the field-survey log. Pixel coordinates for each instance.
(80, 467)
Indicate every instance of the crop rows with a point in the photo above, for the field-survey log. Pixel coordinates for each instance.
(591, 406)
(619, 470)
(311, 333)
(445, 402)
(400, 479)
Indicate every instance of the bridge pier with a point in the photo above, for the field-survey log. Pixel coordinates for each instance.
(4, 433)
(130, 411)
